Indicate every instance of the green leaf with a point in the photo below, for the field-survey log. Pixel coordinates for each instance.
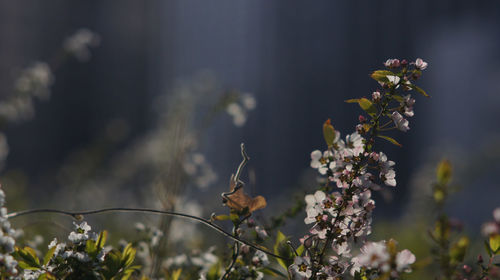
(495, 243)
(29, 256)
(101, 240)
(234, 218)
(328, 133)
(176, 274)
(282, 249)
(214, 272)
(128, 255)
(367, 106)
(221, 217)
(398, 98)
(352, 100)
(381, 75)
(49, 255)
(390, 140)
(24, 265)
(300, 250)
(272, 272)
(488, 249)
(443, 172)
(91, 248)
(419, 90)
(457, 251)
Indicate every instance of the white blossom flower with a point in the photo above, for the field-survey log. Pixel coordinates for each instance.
(374, 255)
(496, 214)
(420, 64)
(390, 178)
(313, 201)
(261, 232)
(408, 103)
(302, 267)
(393, 79)
(400, 122)
(318, 161)
(260, 259)
(490, 228)
(392, 63)
(354, 144)
(403, 260)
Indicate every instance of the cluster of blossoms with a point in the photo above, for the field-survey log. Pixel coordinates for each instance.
(33, 81)
(239, 109)
(8, 265)
(379, 256)
(36, 79)
(340, 214)
(70, 256)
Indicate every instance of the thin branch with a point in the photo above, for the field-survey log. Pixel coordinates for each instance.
(242, 164)
(236, 179)
(78, 214)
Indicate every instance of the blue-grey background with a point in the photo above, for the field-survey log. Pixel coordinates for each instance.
(300, 59)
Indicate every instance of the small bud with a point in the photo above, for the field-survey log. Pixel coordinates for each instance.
(308, 242)
(404, 62)
(395, 63)
(245, 249)
(362, 119)
(467, 269)
(79, 217)
(456, 224)
(480, 259)
(376, 96)
(251, 223)
(360, 129)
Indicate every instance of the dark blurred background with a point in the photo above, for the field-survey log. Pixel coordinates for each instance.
(300, 60)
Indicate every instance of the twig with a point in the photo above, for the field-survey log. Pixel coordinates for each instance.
(77, 214)
(236, 179)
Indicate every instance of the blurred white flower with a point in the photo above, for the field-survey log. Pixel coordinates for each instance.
(239, 109)
(403, 260)
(496, 214)
(249, 101)
(35, 80)
(79, 44)
(374, 255)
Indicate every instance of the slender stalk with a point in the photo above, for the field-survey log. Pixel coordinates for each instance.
(79, 214)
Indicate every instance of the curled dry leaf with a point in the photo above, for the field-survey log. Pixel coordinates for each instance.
(239, 200)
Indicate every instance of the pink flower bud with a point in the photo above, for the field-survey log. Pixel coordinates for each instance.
(467, 269)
